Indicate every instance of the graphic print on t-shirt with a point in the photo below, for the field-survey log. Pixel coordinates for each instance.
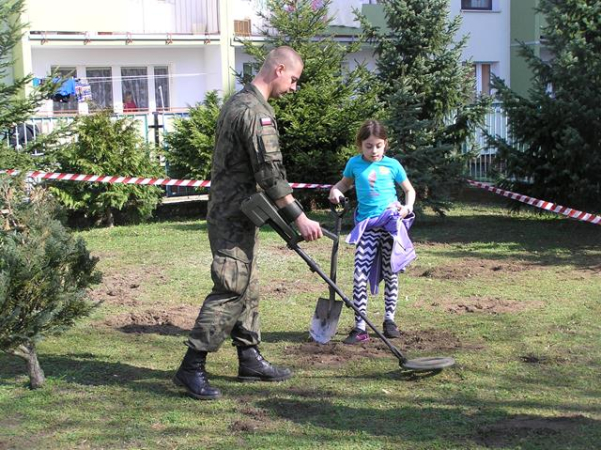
(372, 177)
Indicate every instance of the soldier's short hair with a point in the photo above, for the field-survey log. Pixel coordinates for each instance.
(282, 55)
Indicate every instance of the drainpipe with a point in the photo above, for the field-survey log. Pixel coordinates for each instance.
(227, 51)
(23, 65)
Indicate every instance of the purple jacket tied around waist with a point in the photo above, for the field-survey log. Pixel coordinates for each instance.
(402, 249)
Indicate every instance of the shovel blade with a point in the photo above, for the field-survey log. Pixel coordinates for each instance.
(325, 320)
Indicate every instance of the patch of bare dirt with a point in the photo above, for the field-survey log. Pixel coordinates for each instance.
(124, 288)
(508, 431)
(596, 270)
(466, 268)
(246, 426)
(336, 354)
(170, 322)
(532, 358)
(254, 413)
(476, 304)
(279, 288)
(255, 419)
(581, 273)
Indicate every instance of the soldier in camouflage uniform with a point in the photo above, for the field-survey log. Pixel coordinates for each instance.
(246, 154)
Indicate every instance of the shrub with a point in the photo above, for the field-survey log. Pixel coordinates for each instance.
(190, 144)
(107, 146)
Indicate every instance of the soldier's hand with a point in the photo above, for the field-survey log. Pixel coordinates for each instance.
(309, 229)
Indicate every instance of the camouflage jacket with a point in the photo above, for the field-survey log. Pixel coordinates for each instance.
(247, 154)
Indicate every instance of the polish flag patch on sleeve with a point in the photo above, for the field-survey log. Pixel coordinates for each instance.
(266, 121)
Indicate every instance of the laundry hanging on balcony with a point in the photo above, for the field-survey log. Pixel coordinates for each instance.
(70, 87)
(65, 91)
(83, 91)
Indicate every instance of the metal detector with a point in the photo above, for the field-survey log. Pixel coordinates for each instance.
(261, 210)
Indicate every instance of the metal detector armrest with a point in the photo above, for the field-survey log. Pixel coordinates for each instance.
(261, 210)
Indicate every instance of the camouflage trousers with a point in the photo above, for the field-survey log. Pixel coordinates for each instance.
(232, 306)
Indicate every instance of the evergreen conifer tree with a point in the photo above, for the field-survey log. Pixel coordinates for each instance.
(555, 148)
(44, 273)
(319, 122)
(428, 95)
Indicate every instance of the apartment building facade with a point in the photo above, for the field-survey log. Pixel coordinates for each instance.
(149, 55)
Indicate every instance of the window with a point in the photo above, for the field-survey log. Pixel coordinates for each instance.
(64, 103)
(249, 70)
(482, 75)
(101, 84)
(242, 27)
(161, 88)
(134, 88)
(483, 5)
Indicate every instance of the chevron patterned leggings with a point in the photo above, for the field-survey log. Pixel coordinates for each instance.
(365, 253)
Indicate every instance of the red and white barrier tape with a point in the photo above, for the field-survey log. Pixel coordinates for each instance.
(112, 179)
(572, 213)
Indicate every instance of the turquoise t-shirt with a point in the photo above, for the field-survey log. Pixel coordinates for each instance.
(374, 184)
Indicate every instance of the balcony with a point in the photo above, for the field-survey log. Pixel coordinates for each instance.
(123, 17)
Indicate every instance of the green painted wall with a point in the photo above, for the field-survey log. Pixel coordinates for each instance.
(525, 27)
(21, 54)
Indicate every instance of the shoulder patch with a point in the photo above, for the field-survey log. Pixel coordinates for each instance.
(266, 121)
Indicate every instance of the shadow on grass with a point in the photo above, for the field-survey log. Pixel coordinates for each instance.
(85, 369)
(285, 336)
(542, 238)
(173, 330)
(162, 329)
(191, 226)
(406, 423)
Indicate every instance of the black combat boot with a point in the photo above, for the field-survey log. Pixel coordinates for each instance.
(192, 376)
(253, 367)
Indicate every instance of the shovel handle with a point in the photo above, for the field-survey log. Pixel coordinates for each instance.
(341, 208)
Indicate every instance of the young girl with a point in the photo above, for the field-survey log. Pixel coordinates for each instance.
(379, 228)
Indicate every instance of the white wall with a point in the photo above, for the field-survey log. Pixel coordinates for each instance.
(194, 71)
(211, 63)
(363, 57)
(341, 12)
(489, 35)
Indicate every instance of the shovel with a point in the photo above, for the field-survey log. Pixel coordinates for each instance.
(327, 311)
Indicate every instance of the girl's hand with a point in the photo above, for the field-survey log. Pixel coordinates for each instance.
(335, 195)
(405, 210)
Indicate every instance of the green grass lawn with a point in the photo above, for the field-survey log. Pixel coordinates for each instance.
(514, 298)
